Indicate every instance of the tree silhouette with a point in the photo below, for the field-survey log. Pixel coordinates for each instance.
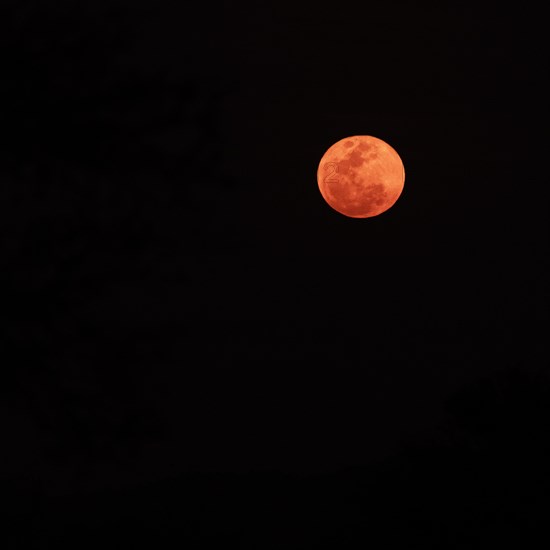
(480, 482)
(104, 154)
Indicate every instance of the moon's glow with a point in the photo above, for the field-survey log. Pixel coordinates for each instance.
(361, 176)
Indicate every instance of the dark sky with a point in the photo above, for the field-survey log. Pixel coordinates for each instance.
(179, 301)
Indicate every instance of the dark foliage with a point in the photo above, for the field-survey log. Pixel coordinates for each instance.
(481, 483)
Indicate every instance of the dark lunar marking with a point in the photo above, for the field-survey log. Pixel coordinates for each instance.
(367, 202)
(356, 159)
(348, 144)
(343, 167)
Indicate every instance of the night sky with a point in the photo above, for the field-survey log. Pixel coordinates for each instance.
(197, 350)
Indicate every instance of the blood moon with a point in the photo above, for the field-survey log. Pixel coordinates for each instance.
(361, 176)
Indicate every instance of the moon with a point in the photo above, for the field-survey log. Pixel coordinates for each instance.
(361, 176)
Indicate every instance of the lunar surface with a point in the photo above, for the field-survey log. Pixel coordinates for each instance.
(361, 176)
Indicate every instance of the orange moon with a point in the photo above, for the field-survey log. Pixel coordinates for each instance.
(361, 176)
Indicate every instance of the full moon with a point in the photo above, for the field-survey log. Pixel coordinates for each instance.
(361, 176)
